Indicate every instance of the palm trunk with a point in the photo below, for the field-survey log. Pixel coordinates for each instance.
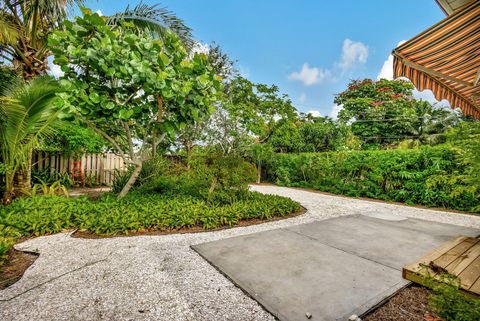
(22, 182)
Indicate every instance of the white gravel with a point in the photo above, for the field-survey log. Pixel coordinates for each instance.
(160, 277)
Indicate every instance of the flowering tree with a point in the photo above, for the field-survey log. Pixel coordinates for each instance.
(379, 111)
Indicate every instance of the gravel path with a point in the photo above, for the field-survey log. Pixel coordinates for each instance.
(160, 277)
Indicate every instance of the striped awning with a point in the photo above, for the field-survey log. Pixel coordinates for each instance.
(446, 59)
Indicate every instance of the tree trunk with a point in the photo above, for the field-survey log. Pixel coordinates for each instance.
(131, 180)
(259, 172)
(188, 149)
(159, 120)
(22, 182)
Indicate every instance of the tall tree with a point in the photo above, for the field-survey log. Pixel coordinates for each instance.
(125, 84)
(379, 112)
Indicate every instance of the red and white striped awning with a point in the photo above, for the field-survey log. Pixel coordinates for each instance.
(446, 59)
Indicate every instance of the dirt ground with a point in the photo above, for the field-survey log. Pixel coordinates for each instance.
(17, 263)
(410, 304)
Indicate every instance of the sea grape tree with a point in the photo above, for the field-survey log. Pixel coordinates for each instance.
(129, 87)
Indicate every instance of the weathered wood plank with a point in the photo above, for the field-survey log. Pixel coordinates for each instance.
(460, 257)
(464, 260)
(434, 254)
(470, 274)
(454, 253)
(475, 288)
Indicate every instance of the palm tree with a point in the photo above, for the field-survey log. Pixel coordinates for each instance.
(429, 124)
(28, 113)
(26, 24)
(156, 20)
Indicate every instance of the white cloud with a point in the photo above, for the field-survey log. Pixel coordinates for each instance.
(314, 113)
(387, 69)
(302, 98)
(309, 76)
(428, 95)
(335, 110)
(99, 12)
(353, 53)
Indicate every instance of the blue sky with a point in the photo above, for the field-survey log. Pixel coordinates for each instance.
(310, 49)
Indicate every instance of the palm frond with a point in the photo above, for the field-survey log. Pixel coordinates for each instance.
(28, 112)
(156, 20)
(9, 32)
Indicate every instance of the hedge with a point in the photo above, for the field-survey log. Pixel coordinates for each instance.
(430, 176)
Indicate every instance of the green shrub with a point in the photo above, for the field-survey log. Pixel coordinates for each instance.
(430, 176)
(206, 177)
(449, 302)
(138, 211)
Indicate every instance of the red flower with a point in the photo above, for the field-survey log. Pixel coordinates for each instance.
(395, 96)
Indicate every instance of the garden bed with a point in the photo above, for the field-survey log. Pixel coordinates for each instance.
(409, 304)
(185, 230)
(137, 214)
(17, 263)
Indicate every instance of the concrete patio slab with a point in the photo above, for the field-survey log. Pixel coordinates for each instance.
(391, 243)
(330, 269)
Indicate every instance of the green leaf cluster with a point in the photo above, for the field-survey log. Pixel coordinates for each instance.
(448, 301)
(40, 215)
(114, 73)
(431, 176)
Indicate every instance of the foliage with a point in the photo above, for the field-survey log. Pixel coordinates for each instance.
(48, 176)
(120, 179)
(429, 124)
(7, 76)
(287, 137)
(260, 154)
(73, 139)
(138, 212)
(127, 85)
(205, 177)
(411, 176)
(465, 141)
(24, 29)
(43, 188)
(155, 20)
(29, 111)
(257, 107)
(448, 302)
(380, 112)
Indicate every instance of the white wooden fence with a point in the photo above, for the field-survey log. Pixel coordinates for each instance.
(98, 168)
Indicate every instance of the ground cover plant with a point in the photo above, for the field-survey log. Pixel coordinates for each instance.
(431, 176)
(210, 195)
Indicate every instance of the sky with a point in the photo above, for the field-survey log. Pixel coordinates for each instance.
(310, 49)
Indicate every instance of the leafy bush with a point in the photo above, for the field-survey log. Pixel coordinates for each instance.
(449, 302)
(47, 176)
(39, 215)
(206, 176)
(432, 176)
(120, 178)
